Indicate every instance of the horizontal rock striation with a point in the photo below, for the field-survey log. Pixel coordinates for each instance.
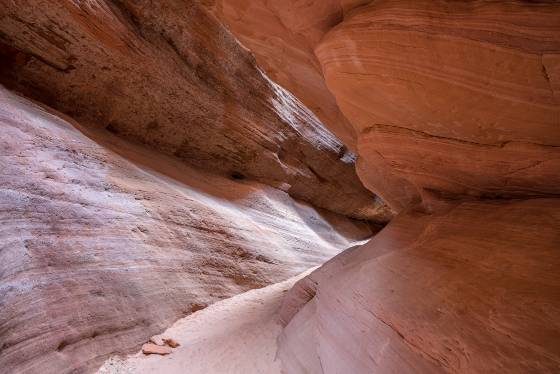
(445, 100)
(452, 108)
(169, 75)
(450, 99)
(104, 243)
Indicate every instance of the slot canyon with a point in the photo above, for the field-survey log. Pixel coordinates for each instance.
(279, 186)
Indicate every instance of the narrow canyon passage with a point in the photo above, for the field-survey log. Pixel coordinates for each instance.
(260, 186)
(101, 251)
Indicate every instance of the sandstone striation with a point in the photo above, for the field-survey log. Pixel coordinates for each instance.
(282, 36)
(236, 336)
(452, 108)
(444, 99)
(455, 111)
(472, 289)
(169, 75)
(99, 252)
(450, 99)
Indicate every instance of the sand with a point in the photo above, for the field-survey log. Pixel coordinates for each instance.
(236, 335)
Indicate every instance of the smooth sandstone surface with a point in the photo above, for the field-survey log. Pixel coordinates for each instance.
(451, 106)
(473, 289)
(169, 75)
(104, 243)
(450, 99)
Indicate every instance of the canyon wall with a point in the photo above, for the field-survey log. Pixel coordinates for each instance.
(193, 177)
(105, 243)
(451, 107)
(169, 75)
(472, 289)
(445, 99)
(455, 115)
(282, 36)
(450, 99)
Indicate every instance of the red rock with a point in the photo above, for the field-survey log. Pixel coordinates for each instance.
(171, 342)
(152, 349)
(451, 106)
(436, 109)
(447, 102)
(467, 106)
(295, 28)
(157, 340)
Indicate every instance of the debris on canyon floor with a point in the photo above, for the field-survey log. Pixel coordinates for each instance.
(235, 335)
(153, 349)
(171, 342)
(159, 345)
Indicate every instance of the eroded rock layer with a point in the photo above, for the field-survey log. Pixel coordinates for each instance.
(169, 75)
(445, 99)
(98, 252)
(474, 289)
(282, 35)
(450, 99)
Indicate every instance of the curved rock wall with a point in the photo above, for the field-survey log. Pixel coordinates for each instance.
(450, 99)
(104, 243)
(451, 104)
(169, 75)
(448, 104)
(282, 36)
(473, 289)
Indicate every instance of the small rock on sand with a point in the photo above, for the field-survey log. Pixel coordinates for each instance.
(150, 348)
(171, 342)
(157, 340)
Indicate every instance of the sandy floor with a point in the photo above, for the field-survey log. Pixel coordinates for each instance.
(236, 335)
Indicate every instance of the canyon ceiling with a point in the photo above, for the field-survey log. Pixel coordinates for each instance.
(158, 156)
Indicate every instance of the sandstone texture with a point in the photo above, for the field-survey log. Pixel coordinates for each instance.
(451, 108)
(450, 99)
(282, 36)
(169, 75)
(445, 99)
(455, 114)
(104, 243)
(473, 289)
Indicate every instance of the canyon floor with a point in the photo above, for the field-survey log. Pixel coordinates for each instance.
(237, 335)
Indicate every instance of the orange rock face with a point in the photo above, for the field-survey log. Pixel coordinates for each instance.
(450, 99)
(452, 107)
(445, 99)
(282, 35)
